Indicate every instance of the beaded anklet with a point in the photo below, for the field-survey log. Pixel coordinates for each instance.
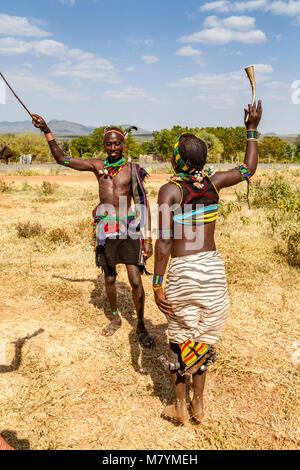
(115, 313)
(180, 400)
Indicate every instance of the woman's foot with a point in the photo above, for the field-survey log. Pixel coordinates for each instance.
(178, 411)
(196, 408)
(113, 326)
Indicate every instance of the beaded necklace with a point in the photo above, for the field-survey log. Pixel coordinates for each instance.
(195, 179)
(112, 169)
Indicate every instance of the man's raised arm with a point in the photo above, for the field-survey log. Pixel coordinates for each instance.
(58, 154)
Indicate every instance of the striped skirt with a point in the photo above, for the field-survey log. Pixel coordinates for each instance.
(196, 285)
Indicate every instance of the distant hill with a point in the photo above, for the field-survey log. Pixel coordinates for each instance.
(287, 138)
(60, 128)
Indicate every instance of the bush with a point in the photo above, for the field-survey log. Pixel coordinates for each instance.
(291, 252)
(278, 193)
(47, 188)
(29, 230)
(59, 235)
(4, 187)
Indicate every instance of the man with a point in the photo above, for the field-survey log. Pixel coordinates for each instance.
(195, 299)
(117, 239)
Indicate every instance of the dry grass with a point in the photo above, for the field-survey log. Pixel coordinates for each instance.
(68, 387)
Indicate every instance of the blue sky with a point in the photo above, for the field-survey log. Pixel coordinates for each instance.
(153, 64)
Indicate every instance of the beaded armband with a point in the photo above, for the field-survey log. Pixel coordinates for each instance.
(46, 130)
(67, 161)
(244, 171)
(251, 135)
(166, 234)
(157, 282)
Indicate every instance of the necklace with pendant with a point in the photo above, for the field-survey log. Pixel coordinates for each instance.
(112, 169)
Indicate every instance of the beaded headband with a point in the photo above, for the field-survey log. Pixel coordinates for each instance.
(182, 165)
(116, 132)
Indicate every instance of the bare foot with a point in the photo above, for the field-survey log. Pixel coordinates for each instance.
(196, 408)
(178, 411)
(112, 327)
(144, 338)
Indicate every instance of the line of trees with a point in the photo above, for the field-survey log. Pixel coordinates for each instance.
(224, 145)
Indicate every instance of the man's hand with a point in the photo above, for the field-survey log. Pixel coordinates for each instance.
(147, 250)
(38, 122)
(254, 113)
(164, 305)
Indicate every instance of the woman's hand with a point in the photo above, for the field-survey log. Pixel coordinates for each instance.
(38, 122)
(254, 112)
(164, 305)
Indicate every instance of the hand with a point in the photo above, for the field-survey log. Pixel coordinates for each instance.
(254, 113)
(38, 122)
(147, 250)
(164, 305)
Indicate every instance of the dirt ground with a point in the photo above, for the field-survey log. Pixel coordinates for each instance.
(65, 386)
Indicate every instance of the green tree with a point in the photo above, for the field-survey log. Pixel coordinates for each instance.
(215, 147)
(272, 149)
(81, 146)
(133, 148)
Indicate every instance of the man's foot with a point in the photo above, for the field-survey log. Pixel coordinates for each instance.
(196, 408)
(178, 411)
(144, 338)
(112, 327)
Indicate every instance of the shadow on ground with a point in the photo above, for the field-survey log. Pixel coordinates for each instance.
(11, 438)
(144, 361)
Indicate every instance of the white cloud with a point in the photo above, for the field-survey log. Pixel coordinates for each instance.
(95, 69)
(130, 69)
(217, 36)
(25, 81)
(221, 90)
(12, 46)
(149, 59)
(49, 48)
(144, 42)
(222, 31)
(188, 51)
(68, 2)
(19, 26)
(128, 93)
(289, 8)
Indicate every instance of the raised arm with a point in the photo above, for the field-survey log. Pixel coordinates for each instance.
(222, 179)
(58, 154)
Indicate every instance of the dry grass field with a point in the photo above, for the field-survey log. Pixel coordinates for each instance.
(65, 386)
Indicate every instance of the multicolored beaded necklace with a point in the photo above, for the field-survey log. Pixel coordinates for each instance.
(112, 169)
(195, 179)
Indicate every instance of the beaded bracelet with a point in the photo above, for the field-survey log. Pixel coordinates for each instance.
(148, 241)
(157, 282)
(49, 137)
(165, 234)
(116, 313)
(252, 134)
(46, 130)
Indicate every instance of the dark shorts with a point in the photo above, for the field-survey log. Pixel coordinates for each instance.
(118, 251)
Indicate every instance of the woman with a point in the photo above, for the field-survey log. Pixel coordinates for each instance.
(195, 298)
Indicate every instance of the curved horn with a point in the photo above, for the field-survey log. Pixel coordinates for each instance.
(128, 130)
(250, 74)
